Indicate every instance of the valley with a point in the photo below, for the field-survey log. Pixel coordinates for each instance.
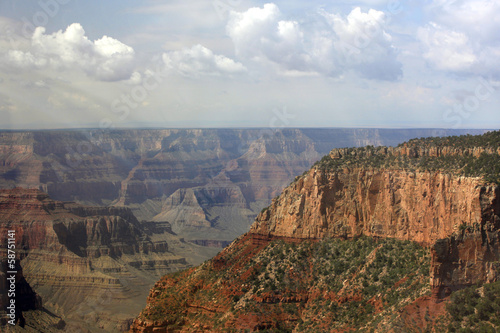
(102, 215)
(209, 184)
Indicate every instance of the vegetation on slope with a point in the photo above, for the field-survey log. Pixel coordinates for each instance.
(357, 284)
(333, 285)
(457, 156)
(487, 140)
(475, 309)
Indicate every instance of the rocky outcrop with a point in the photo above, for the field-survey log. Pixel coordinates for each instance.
(414, 193)
(459, 262)
(198, 211)
(417, 206)
(20, 291)
(184, 208)
(28, 312)
(41, 223)
(457, 216)
(72, 255)
(471, 255)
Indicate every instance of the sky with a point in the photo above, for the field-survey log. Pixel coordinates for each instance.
(246, 63)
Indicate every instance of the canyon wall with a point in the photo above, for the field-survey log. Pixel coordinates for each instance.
(457, 216)
(92, 266)
(232, 173)
(285, 271)
(417, 206)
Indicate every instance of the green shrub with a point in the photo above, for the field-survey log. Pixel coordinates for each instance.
(486, 165)
(471, 312)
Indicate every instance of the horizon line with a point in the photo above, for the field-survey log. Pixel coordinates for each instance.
(239, 128)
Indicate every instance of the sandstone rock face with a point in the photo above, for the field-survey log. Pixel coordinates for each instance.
(237, 171)
(87, 260)
(376, 192)
(458, 217)
(458, 262)
(473, 254)
(417, 206)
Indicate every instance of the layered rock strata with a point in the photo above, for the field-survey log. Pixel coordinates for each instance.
(417, 206)
(233, 173)
(457, 216)
(433, 192)
(84, 260)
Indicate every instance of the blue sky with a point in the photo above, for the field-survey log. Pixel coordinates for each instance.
(241, 63)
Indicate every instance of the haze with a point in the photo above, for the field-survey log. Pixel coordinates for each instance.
(239, 63)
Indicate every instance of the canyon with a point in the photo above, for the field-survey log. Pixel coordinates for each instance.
(209, 184)
(102, 215)
(88, 265)
(344, 218)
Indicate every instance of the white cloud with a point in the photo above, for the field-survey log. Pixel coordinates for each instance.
(364, 45)
(464, 37)
(329, 46)
(199, 60)
(446, 49)
(477, 18)
(135, 79)
(368, 2)
(106, 59)
(259, 34)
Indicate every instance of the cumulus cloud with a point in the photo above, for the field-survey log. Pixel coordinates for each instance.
(106, 59)
(330, 46)
(199, 60)
(364, 45)
(477, 18)
(368, 2)
(446, 49)
(259, 34)
(463, 37)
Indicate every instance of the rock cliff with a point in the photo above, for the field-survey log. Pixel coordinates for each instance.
(457, 216)
(338, 237)
(29, 313)
(87, 260)
(237, 171)
(417, 206)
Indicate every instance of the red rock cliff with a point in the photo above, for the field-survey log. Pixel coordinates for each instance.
(416, 192)
(457, 216)
(417, 206)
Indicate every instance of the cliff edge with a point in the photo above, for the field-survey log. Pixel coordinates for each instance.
(334, 250)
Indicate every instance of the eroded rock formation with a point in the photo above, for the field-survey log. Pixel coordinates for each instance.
(438, 197)
(457, 216)
(417, 206)
(84, 260)
(238, 171)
